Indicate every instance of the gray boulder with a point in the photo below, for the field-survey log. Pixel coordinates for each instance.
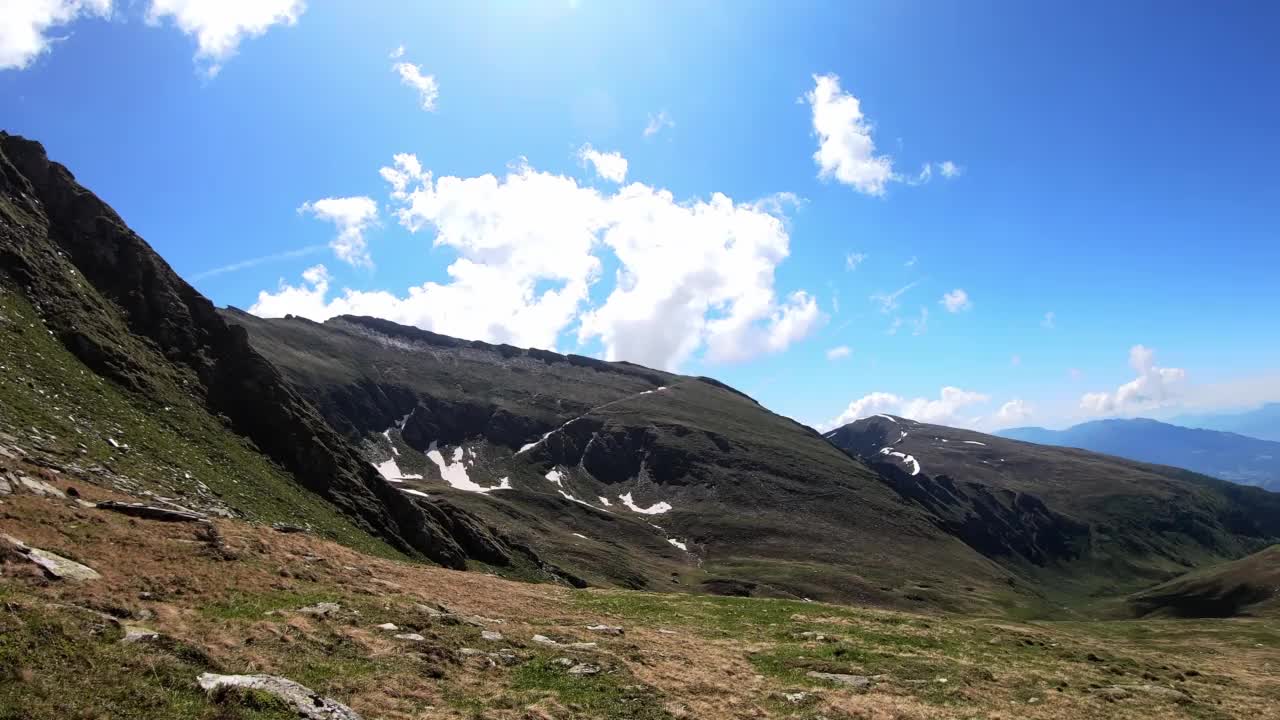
(308, 704)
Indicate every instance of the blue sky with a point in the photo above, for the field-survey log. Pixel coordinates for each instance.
(1113, 164)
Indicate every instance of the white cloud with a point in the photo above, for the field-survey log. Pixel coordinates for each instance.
(24, 26)
(1049, 321)
(839, 352)
(220, 25)
(911, 262)
(693, 276)
(888, 302)
(949, 169)
(853, 260)
(1013, 412)
(921, 324)
(260, 260)
(846, 151)
(411, 76)
(1153, 388)
(352, 216)
(956, 301)
(608, 165)
(397, 53)
(657, 123)
(945, 410)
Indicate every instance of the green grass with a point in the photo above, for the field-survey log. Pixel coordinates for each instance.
(608, 694)
(58, 665)
(176, 448)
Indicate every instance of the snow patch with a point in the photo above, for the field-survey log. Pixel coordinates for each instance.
(604, 501)
(554, 476)
(584, 537)
(655, 509)
(387, 434)
(974, 442)
(455, 473)
(411, 491)
(391, 471)
(678, 544)
(888, 417)
(906, 459)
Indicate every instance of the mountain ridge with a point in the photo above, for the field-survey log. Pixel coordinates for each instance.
(1225, 455)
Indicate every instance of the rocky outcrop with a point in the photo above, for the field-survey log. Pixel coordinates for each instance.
(305, 702)
(139, 322)
(55, 566)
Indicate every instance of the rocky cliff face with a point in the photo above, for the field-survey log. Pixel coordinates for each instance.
(116, 304)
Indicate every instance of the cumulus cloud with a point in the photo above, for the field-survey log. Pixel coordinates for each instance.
(853, 260)
(839, 352)
(846, 151)
(1049, 321)
(25, 26)
(1154, 387)
(1013, 412)
(219, 25)
(946, 409)
(956, 301)
(411, 76)
(608, 165)
(692, 276)
(352, 216)
(657, 123)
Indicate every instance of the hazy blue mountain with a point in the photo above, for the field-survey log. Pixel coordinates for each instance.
(1262, 422)
(1226, 455)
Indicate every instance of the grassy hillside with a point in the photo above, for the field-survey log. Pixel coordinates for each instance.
(234, 600)
(1083, 526)
(168, 444)
(1250, 585)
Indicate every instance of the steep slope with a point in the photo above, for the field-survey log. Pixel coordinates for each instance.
(128, 328)
(1081, 523)
(622, 474)
(1250, 585)
(1225, 455)
(1262, 422)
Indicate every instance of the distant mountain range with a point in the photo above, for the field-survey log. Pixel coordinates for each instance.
(1262, 423)
(1226, 455)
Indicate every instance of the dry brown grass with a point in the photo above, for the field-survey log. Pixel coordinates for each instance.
(168, 577)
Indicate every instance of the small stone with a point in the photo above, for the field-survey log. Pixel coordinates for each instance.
(796, 698)
(584, 669)
(388, 627)
(324, 609)
(491, 635)
(606, 629)
(857, 682)
(412, 637)
(563, 662)
(139, 634)
(544, 640)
